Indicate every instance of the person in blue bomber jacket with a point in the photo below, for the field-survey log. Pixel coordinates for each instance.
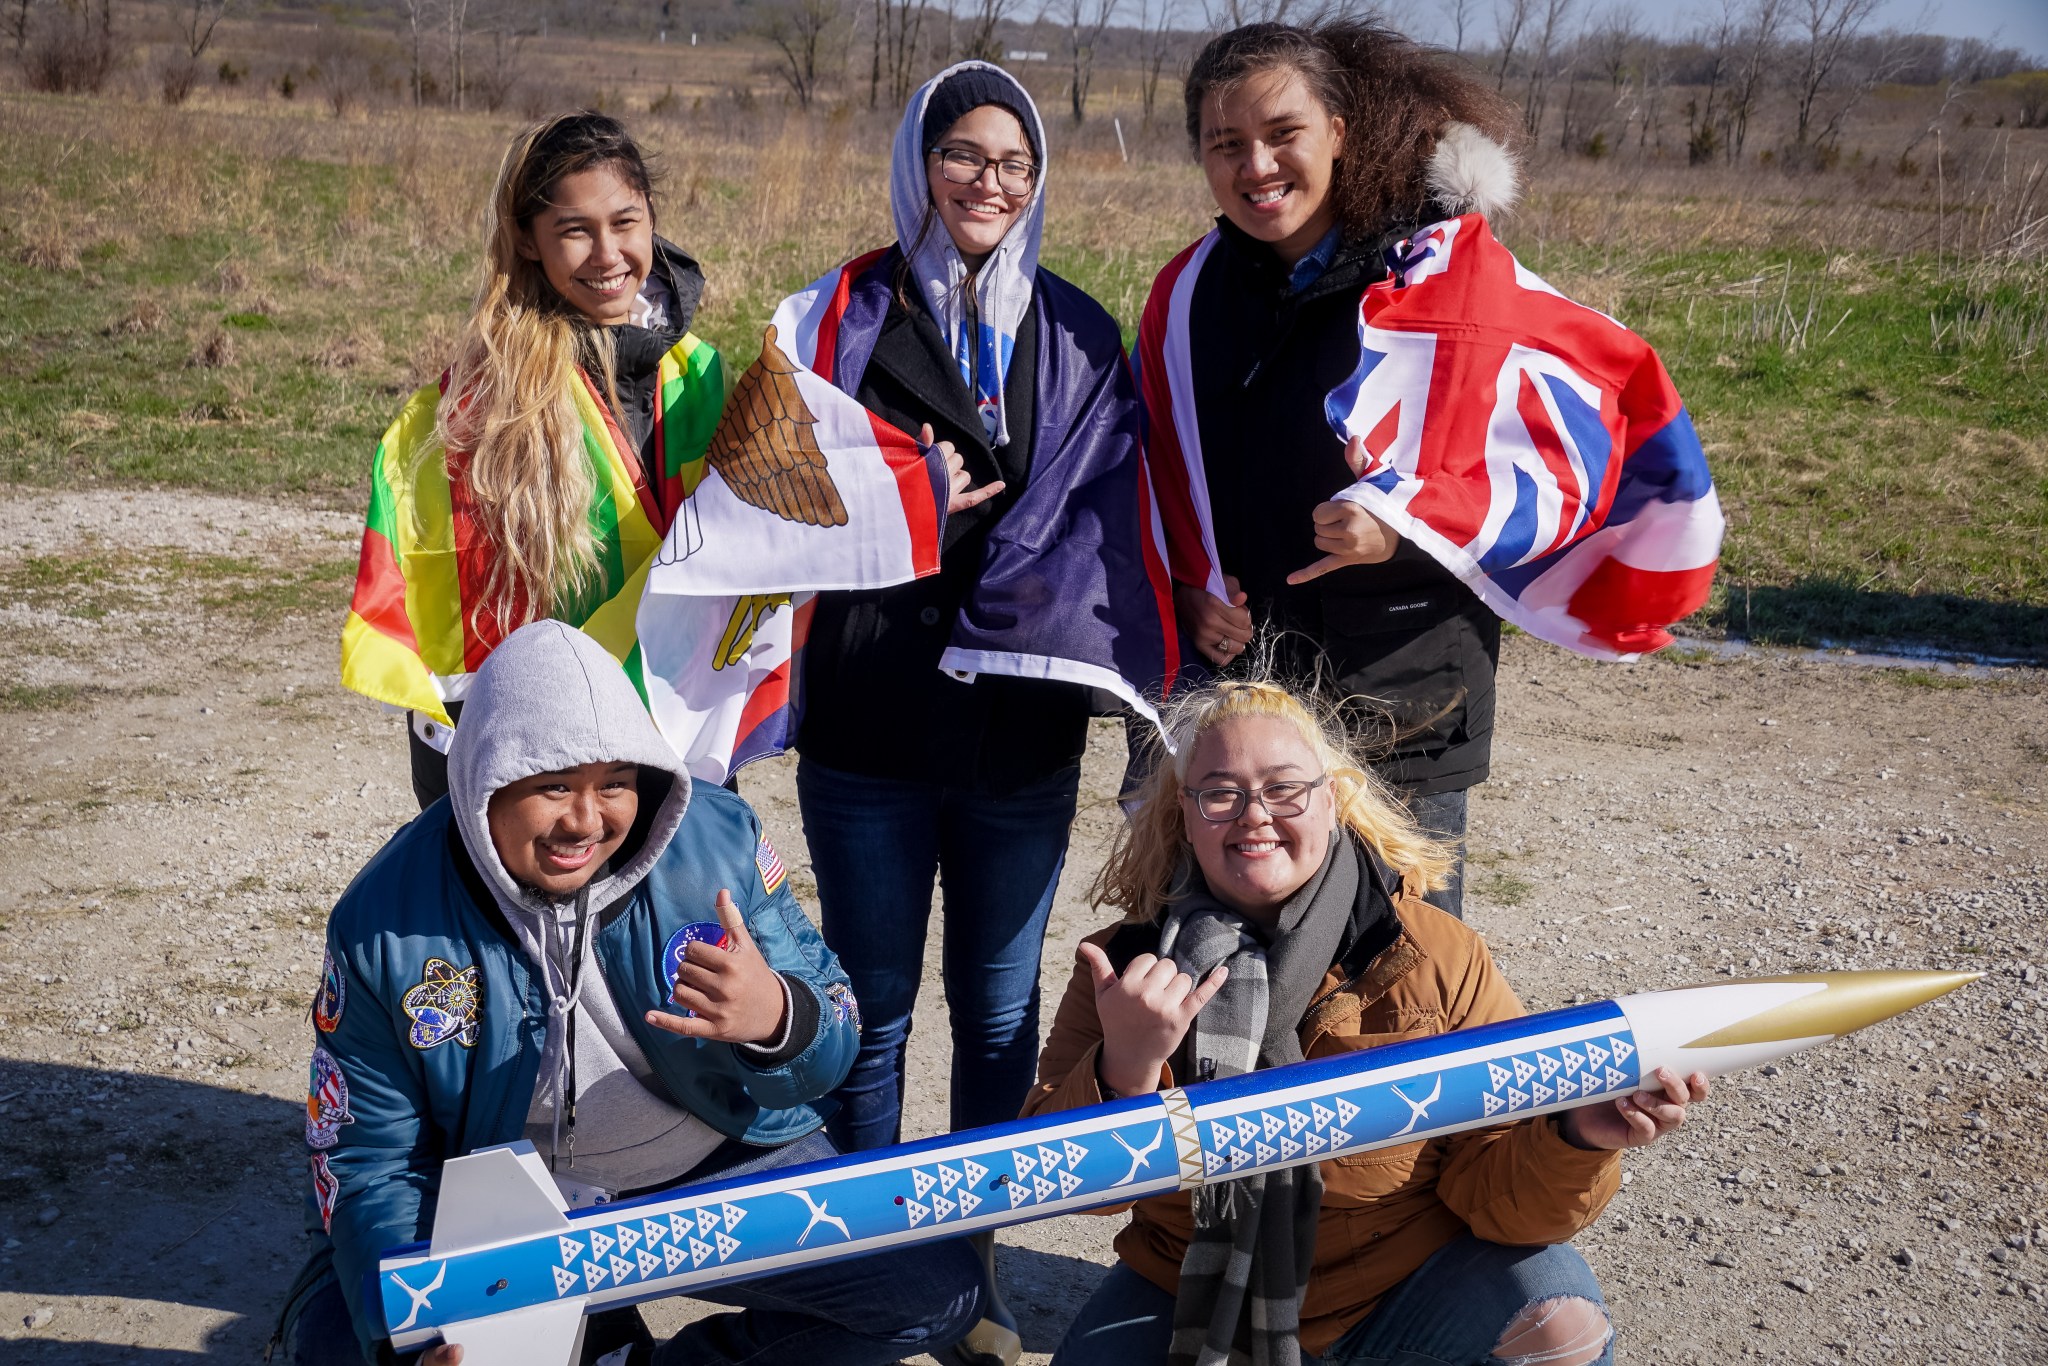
(502, 969)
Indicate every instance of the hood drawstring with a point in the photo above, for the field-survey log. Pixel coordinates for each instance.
(562, 1001)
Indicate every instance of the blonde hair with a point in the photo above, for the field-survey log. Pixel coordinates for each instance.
(509, 408)
(1145, 870)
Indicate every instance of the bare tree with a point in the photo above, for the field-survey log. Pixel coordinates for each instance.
(1759, 37)
(1460, 14)
(500, 76)
(987, 16)
(1543, 67)
(18, 25)
(1702, 134)
(458, 31)
(804, 33)
(1084, 21)
(1615, 44)
(1157, 39)
(1825, 30)
(1509, 20)
(197, 20)
(419, 19)
(74, 52)
(899, 37)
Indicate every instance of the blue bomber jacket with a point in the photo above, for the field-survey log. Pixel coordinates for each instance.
(403, 1079)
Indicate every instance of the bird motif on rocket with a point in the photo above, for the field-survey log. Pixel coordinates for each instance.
(765, 449)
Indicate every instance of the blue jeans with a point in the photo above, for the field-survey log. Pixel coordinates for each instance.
(1442, 814)
(876, 846)
(1449, 1312)
(860, 1311)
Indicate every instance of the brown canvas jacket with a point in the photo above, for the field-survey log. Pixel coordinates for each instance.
(1384, 1212)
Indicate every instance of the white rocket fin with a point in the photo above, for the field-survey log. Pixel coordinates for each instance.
(494, 1195)
(538, 1335)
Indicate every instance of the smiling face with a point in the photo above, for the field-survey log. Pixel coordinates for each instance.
(553, 831)
(979, 215)
(1257, 861)
(594, 242)
(1269, 150)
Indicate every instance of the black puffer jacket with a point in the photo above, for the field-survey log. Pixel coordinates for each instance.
(1405, 634)
(637, 351)
(874, 701)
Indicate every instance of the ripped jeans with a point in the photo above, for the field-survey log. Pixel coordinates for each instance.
(1473, 1303)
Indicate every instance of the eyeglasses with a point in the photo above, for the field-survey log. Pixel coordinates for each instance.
(963, 167)
(1221, 804)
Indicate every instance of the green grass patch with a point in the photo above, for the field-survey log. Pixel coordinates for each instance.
(1503, 889)
(47, 696)
(1878, 433)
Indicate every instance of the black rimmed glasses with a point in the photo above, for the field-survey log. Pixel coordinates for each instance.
(963, 167)
(1221, 804)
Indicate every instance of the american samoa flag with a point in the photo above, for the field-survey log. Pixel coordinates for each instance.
(806, 491)
(1534, 447)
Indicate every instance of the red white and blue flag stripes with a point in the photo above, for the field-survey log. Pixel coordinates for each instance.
(1534, 447)
(807, 491)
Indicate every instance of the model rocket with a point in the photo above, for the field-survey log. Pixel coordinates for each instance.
(509, 1273)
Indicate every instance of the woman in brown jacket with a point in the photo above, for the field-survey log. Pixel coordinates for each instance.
(1272, 899)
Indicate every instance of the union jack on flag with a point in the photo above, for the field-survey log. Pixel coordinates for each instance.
(1534, 447)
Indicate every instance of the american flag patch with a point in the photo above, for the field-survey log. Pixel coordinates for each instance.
(769, 864)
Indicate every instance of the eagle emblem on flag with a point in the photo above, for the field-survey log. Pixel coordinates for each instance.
(766, 447)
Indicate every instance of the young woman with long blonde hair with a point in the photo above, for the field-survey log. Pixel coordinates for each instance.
(536, 478)
(1272, 896)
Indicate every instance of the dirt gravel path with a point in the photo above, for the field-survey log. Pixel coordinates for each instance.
(190, 789)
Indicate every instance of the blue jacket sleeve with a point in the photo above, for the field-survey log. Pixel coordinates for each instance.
(819, 991)
(381, 1150)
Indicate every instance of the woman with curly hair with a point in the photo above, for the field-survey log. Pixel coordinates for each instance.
(1323, 148)
(1272, 899)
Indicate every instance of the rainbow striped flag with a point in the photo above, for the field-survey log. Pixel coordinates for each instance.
(413, 636)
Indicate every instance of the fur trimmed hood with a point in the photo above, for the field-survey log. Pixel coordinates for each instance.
(1471, 173)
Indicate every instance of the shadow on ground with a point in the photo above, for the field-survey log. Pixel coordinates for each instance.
(1818, 612)
(174, 1212)
(1044, 1291)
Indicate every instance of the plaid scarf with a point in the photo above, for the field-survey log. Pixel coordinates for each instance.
(1247, 1265)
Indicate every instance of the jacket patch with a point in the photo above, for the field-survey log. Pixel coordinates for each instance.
(696, 932)
(844, 1005)
(327, 1002)
(769, 864)
(326, 1101)
(325, 1190)
(444, 1005)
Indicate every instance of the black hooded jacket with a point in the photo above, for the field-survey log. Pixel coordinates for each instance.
(637, 351)
(874, 700)
(1410, 643)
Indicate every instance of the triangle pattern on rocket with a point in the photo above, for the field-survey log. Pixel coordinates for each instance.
(674, 1256)
(565, 1280)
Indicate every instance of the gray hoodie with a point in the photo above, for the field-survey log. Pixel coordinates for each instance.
(550, 698)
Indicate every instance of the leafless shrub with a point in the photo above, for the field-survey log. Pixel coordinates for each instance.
(49, 247)
(74, 52)
(145, 318)
(215, 351)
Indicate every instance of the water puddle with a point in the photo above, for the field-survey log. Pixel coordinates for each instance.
(1960, 663)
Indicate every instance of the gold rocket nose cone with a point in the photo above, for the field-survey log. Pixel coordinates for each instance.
(1851, 1001)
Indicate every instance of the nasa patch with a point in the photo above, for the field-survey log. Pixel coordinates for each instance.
(696, 932)
(445, 1004)
(325, 1190)
(326, 1101)
(327, 1002)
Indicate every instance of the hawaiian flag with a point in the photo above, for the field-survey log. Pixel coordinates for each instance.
(1534, 447)
(806, 491)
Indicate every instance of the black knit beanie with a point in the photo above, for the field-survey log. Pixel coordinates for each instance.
(968, 90)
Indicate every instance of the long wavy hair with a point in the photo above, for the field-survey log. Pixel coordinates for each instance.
(1149, 863)
(1395, 96)
(510, 411)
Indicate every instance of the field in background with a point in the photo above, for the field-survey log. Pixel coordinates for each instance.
(236, 294)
